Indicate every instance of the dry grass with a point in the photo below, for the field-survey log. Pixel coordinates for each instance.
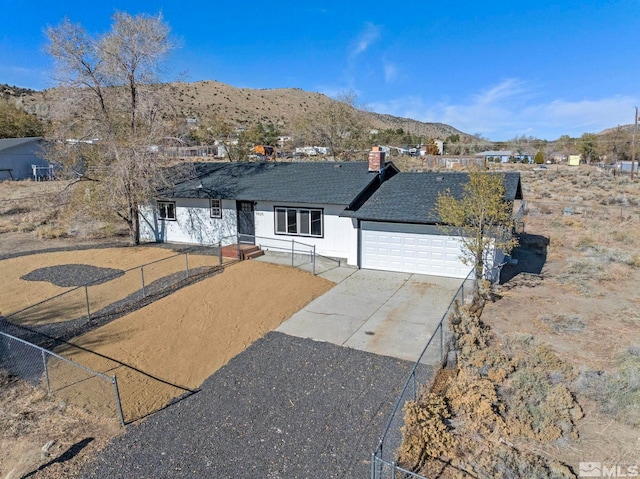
(25, 205)
(617, 392)
(562, 323)
(29, 419)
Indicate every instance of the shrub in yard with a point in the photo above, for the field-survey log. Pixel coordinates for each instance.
(425, 433)
(504, 390)
(617, 392)
(50, 231)
(562, 323)
(506, 462)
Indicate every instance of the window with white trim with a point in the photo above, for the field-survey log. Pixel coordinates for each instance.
(299, 221)
(216, 208)
(167, 210)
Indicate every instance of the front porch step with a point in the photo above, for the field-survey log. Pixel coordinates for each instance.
(241, 251)
(254, 254)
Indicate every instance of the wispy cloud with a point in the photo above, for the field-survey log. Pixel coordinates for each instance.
(357, 47)
(369, 35)
(514, 107)
(390, 72)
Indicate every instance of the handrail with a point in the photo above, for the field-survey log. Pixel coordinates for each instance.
(282, 240)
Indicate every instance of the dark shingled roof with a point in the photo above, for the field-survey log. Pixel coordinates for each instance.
(312, 182)
(6, 143)
(411, 197)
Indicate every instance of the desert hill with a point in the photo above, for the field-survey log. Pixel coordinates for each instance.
(247, 106)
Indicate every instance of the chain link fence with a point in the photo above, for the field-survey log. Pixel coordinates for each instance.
(67, 380)
(84, 377)
(107, 297)
(433, 358)
(34, 341)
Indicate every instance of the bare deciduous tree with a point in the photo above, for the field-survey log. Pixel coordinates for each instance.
(338, 125)
(111, 103)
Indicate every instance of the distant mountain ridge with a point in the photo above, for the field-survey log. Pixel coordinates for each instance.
(246, 106)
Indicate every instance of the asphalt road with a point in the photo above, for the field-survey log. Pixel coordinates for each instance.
(286, 407)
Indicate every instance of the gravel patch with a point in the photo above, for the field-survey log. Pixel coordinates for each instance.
(68, 275)
(286, 407)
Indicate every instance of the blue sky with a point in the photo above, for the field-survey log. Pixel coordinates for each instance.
(496, 68)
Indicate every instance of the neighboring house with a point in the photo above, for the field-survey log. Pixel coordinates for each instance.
(367, 213)
(19, 155)
(439, 145)
(505, 156)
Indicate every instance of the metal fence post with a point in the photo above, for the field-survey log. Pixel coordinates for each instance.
(441, 343)
(292, 252)
(114, 381)
(86, 297)
(314, 260)
(46, 372)
(142, 275)
(220, 252)
(393, 469)
(415, 385)
(186, 260)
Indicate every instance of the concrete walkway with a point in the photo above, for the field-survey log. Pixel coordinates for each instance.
(387, 313)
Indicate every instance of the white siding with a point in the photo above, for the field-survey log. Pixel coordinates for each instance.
(340, 236)
(193, 223)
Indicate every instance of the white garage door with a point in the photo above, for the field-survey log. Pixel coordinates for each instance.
(411, 249)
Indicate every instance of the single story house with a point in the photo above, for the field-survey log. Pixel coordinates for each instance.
(368, 213)
(18, 156)
(505, 156)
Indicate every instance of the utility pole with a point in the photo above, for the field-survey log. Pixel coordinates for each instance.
(633, 144)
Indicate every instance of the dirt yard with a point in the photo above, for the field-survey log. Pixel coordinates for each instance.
(17, 293)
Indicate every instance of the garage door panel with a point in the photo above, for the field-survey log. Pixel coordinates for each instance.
(411, 252)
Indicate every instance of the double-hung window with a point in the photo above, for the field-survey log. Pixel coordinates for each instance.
(299, 221)
(216, 208)
(167, 210)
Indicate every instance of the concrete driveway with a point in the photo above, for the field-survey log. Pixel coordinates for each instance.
(391, 314)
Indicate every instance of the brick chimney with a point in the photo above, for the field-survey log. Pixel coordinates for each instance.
(376, 160)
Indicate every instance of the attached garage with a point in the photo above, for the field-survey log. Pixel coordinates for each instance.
(399, 226)
(410, 248)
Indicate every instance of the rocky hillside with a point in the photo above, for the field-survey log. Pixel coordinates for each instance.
(246, 106)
